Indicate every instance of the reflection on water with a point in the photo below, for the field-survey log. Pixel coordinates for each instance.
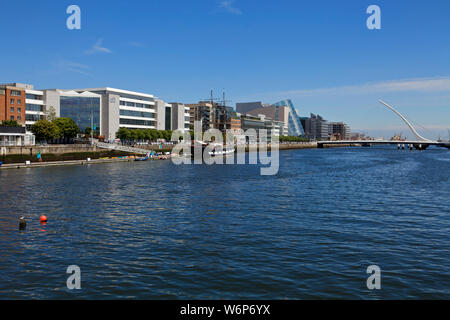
(154, 230)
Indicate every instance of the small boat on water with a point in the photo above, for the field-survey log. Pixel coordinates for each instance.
(217, 149)
(223, 152)
(143, 158)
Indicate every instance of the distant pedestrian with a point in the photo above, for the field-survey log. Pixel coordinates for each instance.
(39, 157)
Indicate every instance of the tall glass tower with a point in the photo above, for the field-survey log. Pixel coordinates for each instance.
(295, 125)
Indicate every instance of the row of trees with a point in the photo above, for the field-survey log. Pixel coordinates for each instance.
(143, 134)
(58, 128)
(293, 139)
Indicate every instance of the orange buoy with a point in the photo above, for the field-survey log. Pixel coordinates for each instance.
(43, 219)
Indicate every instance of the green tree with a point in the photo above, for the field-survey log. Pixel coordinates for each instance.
(292, 139)
(140, 134)
(147, 135)
(123, 134)
(10, 123)
(67, 127)
(133, 135)
(167, 135)
(153, 135)
(45, 130)
(88, 131)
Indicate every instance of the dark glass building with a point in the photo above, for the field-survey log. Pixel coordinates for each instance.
(81, 110)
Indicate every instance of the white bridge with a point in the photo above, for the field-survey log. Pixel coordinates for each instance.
(421, 143)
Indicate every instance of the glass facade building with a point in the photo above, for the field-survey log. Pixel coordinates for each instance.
(81, 109)
(295, 124)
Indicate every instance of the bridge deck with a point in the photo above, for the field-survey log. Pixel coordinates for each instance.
(407, 142)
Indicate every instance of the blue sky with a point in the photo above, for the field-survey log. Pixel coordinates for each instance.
(318, 53)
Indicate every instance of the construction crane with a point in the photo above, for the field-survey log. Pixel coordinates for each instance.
(213, 100)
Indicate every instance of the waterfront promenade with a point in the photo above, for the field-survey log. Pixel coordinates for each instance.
(77, 154)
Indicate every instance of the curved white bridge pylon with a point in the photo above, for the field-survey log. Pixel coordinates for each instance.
(418, 136)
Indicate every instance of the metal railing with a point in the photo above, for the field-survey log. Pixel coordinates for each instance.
(14, 144)
(119, 147)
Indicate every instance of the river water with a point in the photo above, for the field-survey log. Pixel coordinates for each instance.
(154, 230)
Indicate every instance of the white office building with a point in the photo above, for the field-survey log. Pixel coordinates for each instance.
(125, 109)
(179, 120)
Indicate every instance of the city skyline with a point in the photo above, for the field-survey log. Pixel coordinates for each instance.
(265, 51)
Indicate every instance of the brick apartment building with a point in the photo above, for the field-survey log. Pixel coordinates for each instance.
(12, 103)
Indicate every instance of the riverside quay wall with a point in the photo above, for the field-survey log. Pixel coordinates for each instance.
(47, 149)
(68, 152)
(86, 148)
(63, 149)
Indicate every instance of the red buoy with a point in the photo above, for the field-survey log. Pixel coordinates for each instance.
(43, 219)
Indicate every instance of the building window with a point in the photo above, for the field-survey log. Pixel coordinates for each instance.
(11, 118)
(19, 118)
(33, 117)
(11, 101)
(19, 101)
(33, 97)
(19, 110)
(33, 107)
(136, 122)
(136, 114)
(81, 109)
(11, 109)
(15, 93)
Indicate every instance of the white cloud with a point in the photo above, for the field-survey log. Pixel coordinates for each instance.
(69, 66)
(97, 48)
(418, 84)
(228, 6)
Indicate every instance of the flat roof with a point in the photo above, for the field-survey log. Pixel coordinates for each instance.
(73, 93)
(118, 91)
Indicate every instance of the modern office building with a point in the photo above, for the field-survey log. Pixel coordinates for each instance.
(283, 111)
(82, 107)
(35, 107)
(316, 127)
(106, 109)
(277, 113)
(339, 130)
(295, 127)
(128, 109)
(246, 107)
(222, 117)
(252, 122)
(176, 117)
(203, 112)
(180, 117)
(272, 127)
